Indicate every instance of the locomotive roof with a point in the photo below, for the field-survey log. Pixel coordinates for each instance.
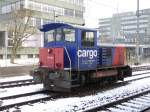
(51, 26)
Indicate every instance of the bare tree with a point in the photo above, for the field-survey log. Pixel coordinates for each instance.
(19, 29)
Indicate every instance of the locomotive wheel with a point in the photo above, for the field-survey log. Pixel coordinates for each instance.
(112, 79)
(82, 80)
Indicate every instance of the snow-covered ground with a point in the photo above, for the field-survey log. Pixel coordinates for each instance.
(26, 98)
(72, 104)
(143, 64)
(15, 78)
(80, 104)
(20, 90)
(19, 62)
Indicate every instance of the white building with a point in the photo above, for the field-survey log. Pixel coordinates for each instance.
(45, 11)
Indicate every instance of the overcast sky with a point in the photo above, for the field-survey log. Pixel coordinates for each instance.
(96, 9)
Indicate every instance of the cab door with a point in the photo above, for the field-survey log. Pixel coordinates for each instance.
(87, 52)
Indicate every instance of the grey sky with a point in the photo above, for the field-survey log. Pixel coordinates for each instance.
(96, 9)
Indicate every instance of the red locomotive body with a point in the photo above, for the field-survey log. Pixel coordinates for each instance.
(51, 58)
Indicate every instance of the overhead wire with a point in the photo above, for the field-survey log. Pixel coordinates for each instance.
(101, 4)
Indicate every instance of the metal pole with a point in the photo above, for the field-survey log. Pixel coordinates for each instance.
(54, 12)
(137, 39)
(6, 45)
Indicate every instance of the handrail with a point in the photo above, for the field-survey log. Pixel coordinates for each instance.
(69, 60)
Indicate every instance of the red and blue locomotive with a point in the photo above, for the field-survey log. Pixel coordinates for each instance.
(71, 58)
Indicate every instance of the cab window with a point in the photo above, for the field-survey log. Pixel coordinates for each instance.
(53, 35)
(60, 34)
(49, 36)
(87, 39)
(69, 35)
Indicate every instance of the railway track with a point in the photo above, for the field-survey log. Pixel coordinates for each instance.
(25, 99)
(140, 68)
(16, 83)
(33, 97)
(134, 103)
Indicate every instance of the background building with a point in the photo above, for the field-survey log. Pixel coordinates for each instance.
(122, 27)
(45, 11)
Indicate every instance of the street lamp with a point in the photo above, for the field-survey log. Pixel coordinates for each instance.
(6, 43)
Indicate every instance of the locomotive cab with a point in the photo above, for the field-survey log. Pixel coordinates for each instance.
(79, 45)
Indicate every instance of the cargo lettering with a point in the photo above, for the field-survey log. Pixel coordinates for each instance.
(87, 53)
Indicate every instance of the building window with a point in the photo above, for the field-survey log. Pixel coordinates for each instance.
(69, 12)
(1, 56)
(76, 2)
(12, 6)
(45, 8)
(46, 21)
(32, 21)
(59, 11)
(50, 9)
(10, 42)
(34, 6)
(38, 22)
(18, 56)
(8, 56)
(6, 9)
(30, 55)
(36, 55)
(78, 14)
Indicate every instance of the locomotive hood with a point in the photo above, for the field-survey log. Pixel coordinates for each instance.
(51, 26)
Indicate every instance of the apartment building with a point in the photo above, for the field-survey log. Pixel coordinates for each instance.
(123, 26)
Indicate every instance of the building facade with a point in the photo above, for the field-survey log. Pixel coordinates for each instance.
(122, 27)
(45, 11)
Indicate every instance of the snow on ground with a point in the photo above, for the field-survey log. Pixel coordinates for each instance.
(143, 64)
(26, 98)
(84, 103)
(139, 72)
(19, 62)
(135, 75)
(20, 90)
(15, 78)
(69, 104)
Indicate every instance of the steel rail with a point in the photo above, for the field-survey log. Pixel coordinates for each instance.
(112, 104)
(17, 83)
(27, 102)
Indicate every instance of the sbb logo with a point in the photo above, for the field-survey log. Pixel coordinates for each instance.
(87, 53)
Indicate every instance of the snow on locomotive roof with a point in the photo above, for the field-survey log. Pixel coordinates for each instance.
(51, 26)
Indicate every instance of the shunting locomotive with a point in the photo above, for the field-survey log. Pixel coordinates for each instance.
(71, 58)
